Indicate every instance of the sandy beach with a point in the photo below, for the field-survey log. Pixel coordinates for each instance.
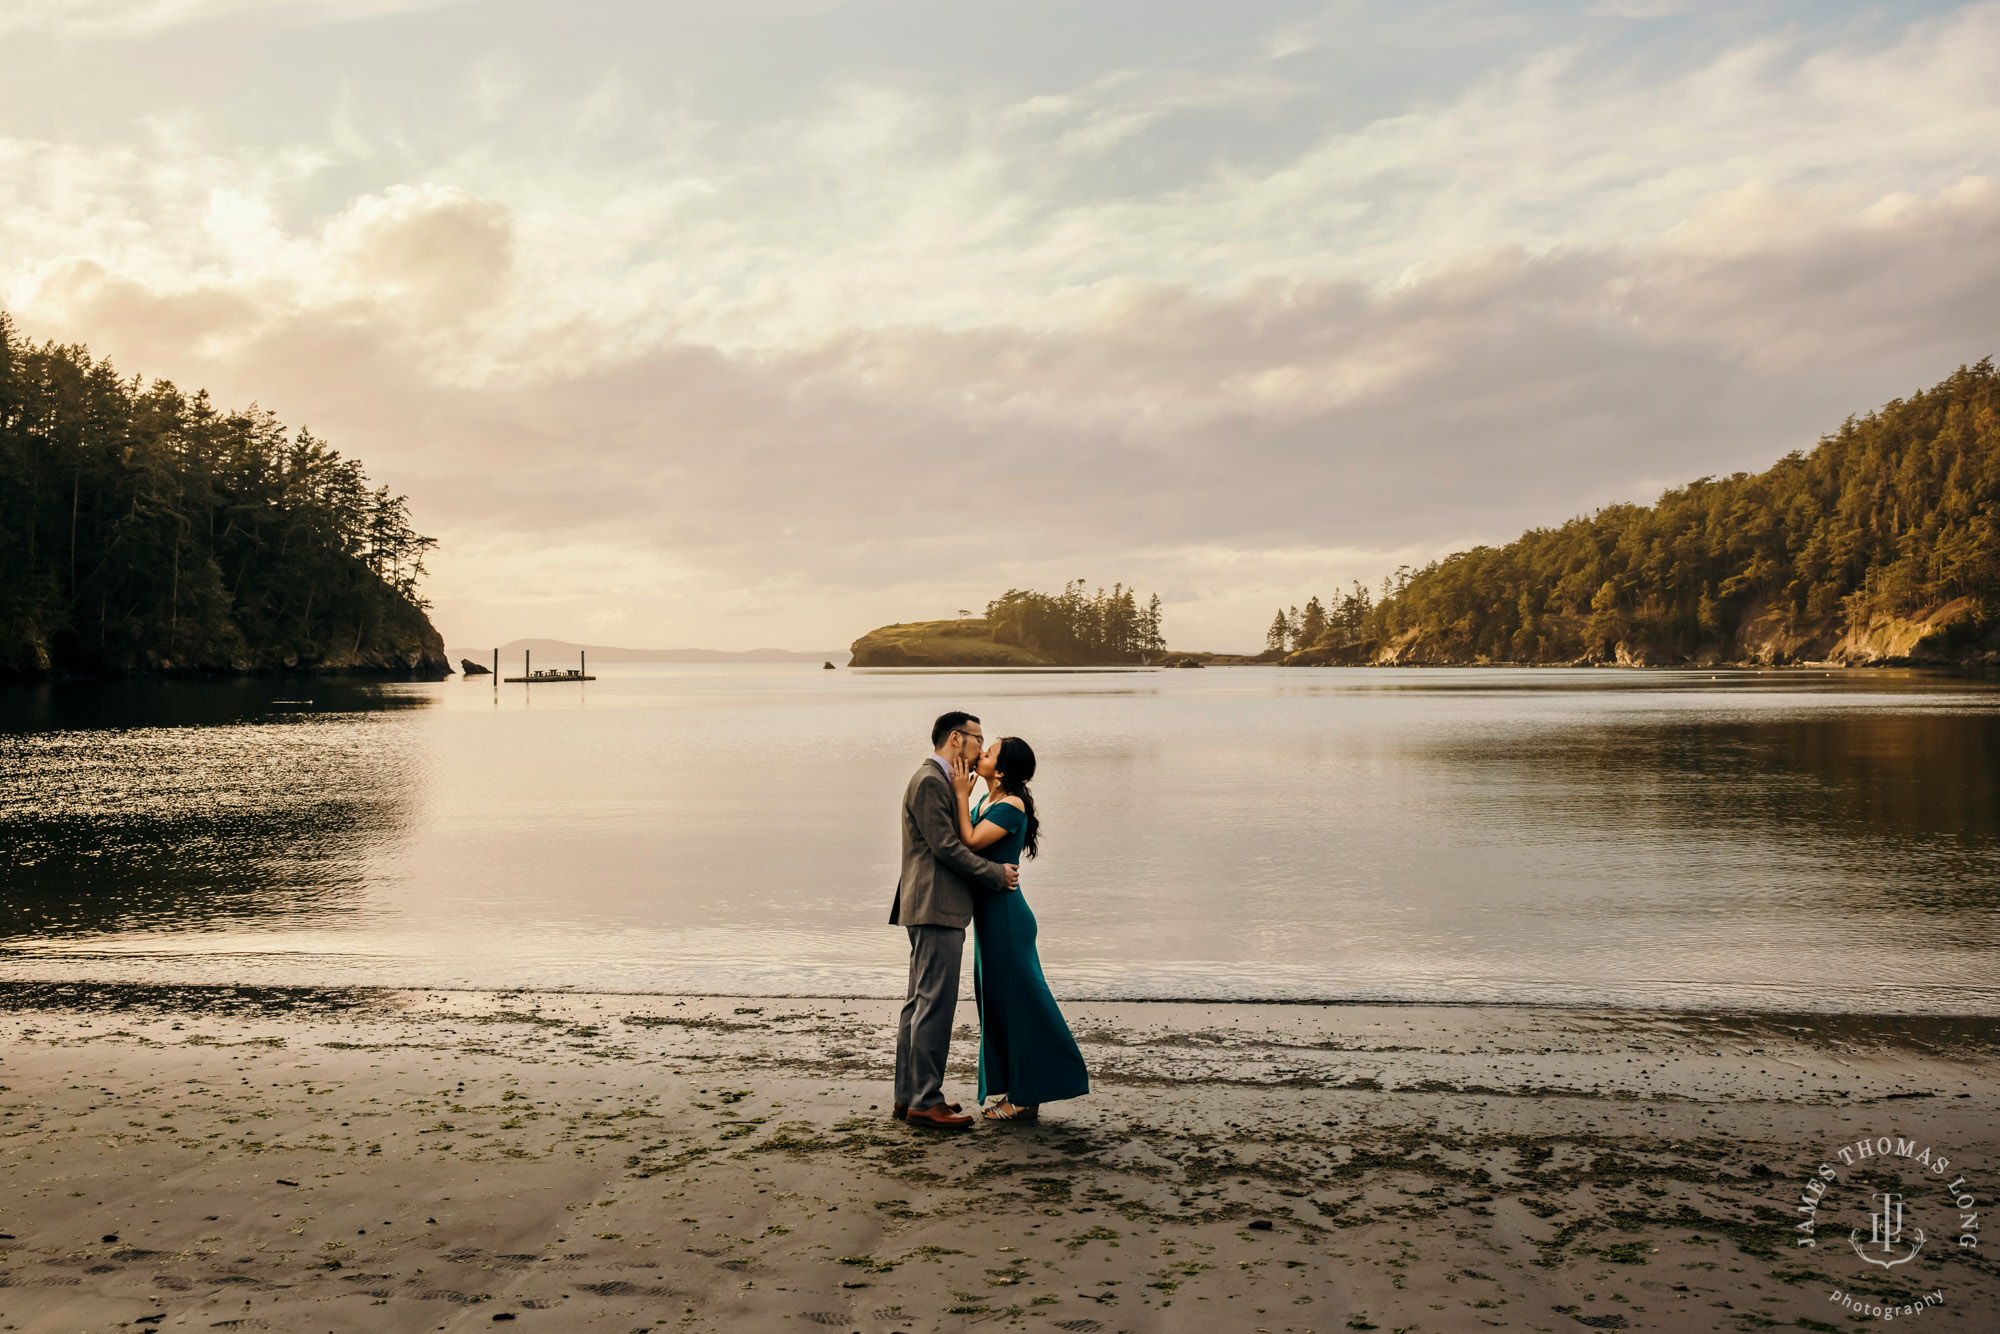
(216, 1158)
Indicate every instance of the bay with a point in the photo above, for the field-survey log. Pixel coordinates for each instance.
(1777, 841)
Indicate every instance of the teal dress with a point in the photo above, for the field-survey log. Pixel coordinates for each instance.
(1025, 1048)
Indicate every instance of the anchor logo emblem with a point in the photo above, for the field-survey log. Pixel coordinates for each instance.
(1885, 1232)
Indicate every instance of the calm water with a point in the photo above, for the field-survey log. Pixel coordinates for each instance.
(1772, 840)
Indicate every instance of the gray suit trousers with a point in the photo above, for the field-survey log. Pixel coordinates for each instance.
(923, 1033)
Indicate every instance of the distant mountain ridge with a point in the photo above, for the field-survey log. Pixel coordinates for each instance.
(557, 651)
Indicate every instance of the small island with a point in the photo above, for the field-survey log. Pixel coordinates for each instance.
(1027, 629)
(958, 643)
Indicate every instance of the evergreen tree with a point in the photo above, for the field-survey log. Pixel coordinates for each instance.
(1604, 629)
(1279, 635)
(142, 527)
(1076, 627)
(1312, 624)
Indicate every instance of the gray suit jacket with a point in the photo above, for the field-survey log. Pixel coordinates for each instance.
(940, 874)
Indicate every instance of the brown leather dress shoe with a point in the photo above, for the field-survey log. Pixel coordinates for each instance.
(902, 1109)
(940, 1117)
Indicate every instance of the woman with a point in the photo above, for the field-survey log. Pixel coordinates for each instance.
(1026, 1053)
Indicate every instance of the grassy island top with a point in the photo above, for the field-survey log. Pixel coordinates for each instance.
(967, 642)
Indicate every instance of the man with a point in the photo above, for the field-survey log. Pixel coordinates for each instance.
(934, 902)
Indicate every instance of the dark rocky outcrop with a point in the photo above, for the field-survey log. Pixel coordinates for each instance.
(1953, 635)
(404, 644)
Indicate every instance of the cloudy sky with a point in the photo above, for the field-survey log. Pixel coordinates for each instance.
(748, 322)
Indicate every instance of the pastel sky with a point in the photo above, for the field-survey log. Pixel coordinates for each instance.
(762, 322)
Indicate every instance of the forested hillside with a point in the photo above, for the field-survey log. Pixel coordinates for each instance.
(1881, 544)
(142, 528)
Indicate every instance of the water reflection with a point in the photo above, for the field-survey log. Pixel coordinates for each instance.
(195, 806)
(1772, 840)
(195, 703)
(1899, 803)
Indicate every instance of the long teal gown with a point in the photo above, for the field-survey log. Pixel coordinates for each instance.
(1025, 1048)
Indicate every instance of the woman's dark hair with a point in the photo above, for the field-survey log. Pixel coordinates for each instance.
(1015, 766)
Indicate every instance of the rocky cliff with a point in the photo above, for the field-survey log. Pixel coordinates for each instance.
(403, 643)
(1956, 634)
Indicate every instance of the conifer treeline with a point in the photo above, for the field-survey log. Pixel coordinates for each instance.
(1895, 514)
(141, 527)
(1077, 627)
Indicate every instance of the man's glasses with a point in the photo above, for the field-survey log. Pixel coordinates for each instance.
(959, 731)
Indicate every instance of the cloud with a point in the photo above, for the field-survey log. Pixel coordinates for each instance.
(886, 205)
(441, 251)
(1640, 9)
(1783, 283)
(884, 201)
(778, 380)
(1215, 446)
(127, 19)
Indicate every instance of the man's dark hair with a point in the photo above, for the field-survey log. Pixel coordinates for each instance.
(946, 724)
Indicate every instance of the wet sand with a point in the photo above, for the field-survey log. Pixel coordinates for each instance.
(248, 1159)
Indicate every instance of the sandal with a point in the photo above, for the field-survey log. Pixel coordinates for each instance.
(1007, 1111)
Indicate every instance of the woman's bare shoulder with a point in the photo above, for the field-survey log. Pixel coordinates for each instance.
(1015, 802)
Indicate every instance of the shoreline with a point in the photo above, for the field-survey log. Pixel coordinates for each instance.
(377, 1159)
(73, 677)
(1973, 668)
(1977, 666)
(12, 982)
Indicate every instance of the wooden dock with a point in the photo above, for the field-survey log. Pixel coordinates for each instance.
(529, 676)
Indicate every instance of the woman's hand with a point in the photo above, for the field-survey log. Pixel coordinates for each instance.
(961, 783)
